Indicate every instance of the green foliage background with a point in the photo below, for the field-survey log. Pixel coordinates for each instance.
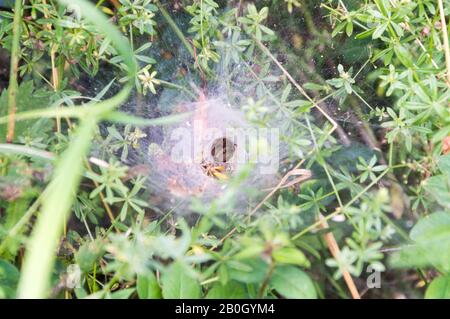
(363, 89)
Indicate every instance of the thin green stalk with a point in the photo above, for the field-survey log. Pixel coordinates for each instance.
(26, 151)
(107, 288)
(102, 110)
(201, 24)
(309, 20)
(15, 54)
(363, 100)
(266, 280)
(178, 87)
(175, 28)
(80, 112)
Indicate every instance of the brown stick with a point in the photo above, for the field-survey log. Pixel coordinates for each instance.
(335, 252)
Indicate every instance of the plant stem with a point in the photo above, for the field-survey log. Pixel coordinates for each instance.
(175, 28)
(445, 38)
(107, 288)
(26, 151)
(55, 82)
(333, 246)
(178, 87)
(264, 284)
(13, 85)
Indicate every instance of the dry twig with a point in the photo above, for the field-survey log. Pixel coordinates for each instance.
(335, 252)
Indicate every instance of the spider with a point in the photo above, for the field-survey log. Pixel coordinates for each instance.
(214, 170)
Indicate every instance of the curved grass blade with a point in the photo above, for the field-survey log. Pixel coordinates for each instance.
(43, 243)
(26, 151)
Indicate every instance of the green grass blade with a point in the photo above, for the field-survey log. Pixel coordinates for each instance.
(123, 118)
(26, 151)
(43, 243)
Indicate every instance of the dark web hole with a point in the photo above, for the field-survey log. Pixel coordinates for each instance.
(222, 150)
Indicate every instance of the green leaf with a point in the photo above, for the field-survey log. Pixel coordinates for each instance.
(444, 164)
(121, 294)
(292, 256)
(379, 31)
(148, 287)
(338, 28)
(430, 253)
(432, 244)
(404, 56)
(349, 28)
(232, 290)
(177, 284)
(382, 5)
(439, 187)
(439, 288)
(364, 34)
(433, 227)
(252, 9)
(9, 276)
(88, 254)
(250, 252)
(248, 271)
(293, 283)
